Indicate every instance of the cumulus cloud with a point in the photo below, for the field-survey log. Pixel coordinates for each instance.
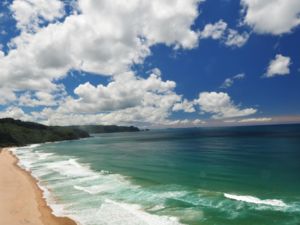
(104, 37)
(228, 36)
(228, 82)
(125, 91)
(279, 66)
(221, 106)
(15, 112)
(6, 96)
(127, 99)
(214, 31)
(40, 98)
(100, 37)
(235, 39)
(130, 99)
(185, 106)
(30, 14)
(271, 16)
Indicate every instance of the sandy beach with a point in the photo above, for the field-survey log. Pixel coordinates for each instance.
(21, 200)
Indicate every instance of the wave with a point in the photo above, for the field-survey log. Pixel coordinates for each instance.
(96, 189)
(255, 200)
(84, 192)
(33, 145)
(134, 215)
(93, 197)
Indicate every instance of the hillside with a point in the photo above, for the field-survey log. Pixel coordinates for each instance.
(18, 133)
(106, 128)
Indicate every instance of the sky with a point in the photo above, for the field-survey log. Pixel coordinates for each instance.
(158, 63)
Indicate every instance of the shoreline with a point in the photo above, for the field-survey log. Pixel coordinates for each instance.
(21, 198)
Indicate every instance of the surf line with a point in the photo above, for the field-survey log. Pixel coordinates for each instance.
(254, 200)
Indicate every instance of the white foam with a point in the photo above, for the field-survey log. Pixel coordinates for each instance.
(93, 190)
(43, 156)
(129, 214)
(57, 209)
(254, 200)
(70, 168)
(26, 159)
(157, 207)
(33, 146)
(65, 173)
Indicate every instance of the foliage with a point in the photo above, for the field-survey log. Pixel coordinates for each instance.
(106, 128)
(18, 133)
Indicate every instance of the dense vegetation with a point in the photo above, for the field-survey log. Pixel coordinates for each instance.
(18, 133)
(106, 129)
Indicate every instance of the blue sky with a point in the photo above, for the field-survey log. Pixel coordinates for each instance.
(152, 64)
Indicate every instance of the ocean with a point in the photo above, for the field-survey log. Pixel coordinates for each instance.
(196, 176)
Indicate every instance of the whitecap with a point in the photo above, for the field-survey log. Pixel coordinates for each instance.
(66, 172)
(70, 168)
(255, 200)
(130, 214)
(96, 189)
(33, 146)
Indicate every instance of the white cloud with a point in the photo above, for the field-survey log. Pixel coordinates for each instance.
(214, 31)
(184, 123)
(14, 112)
(255, 120)
(105, 37)
(279, 66)
(272, 16)
(127, 99)
(6, 96)
(250, 120)
(40, 98)
(30, 14)
(124, 91)
(239, 76)
(235, 39)
(220, 31)
(221, 106)
(230, 81)
(185, 106)
(139, 116)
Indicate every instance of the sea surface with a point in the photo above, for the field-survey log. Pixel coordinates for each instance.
(203, 176)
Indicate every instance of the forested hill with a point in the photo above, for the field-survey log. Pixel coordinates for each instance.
(18, 133)
(106, 128)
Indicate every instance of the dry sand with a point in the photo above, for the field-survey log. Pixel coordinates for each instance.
(21, 200)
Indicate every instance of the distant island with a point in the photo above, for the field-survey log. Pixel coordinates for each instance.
(18, 133)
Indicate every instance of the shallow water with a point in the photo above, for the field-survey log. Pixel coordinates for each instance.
(209, 176)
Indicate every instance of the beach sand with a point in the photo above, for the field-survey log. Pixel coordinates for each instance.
(21, 200)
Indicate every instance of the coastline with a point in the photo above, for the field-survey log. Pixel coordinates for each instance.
(21, 199)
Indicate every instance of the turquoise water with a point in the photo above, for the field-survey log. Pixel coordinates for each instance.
(209, 176)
